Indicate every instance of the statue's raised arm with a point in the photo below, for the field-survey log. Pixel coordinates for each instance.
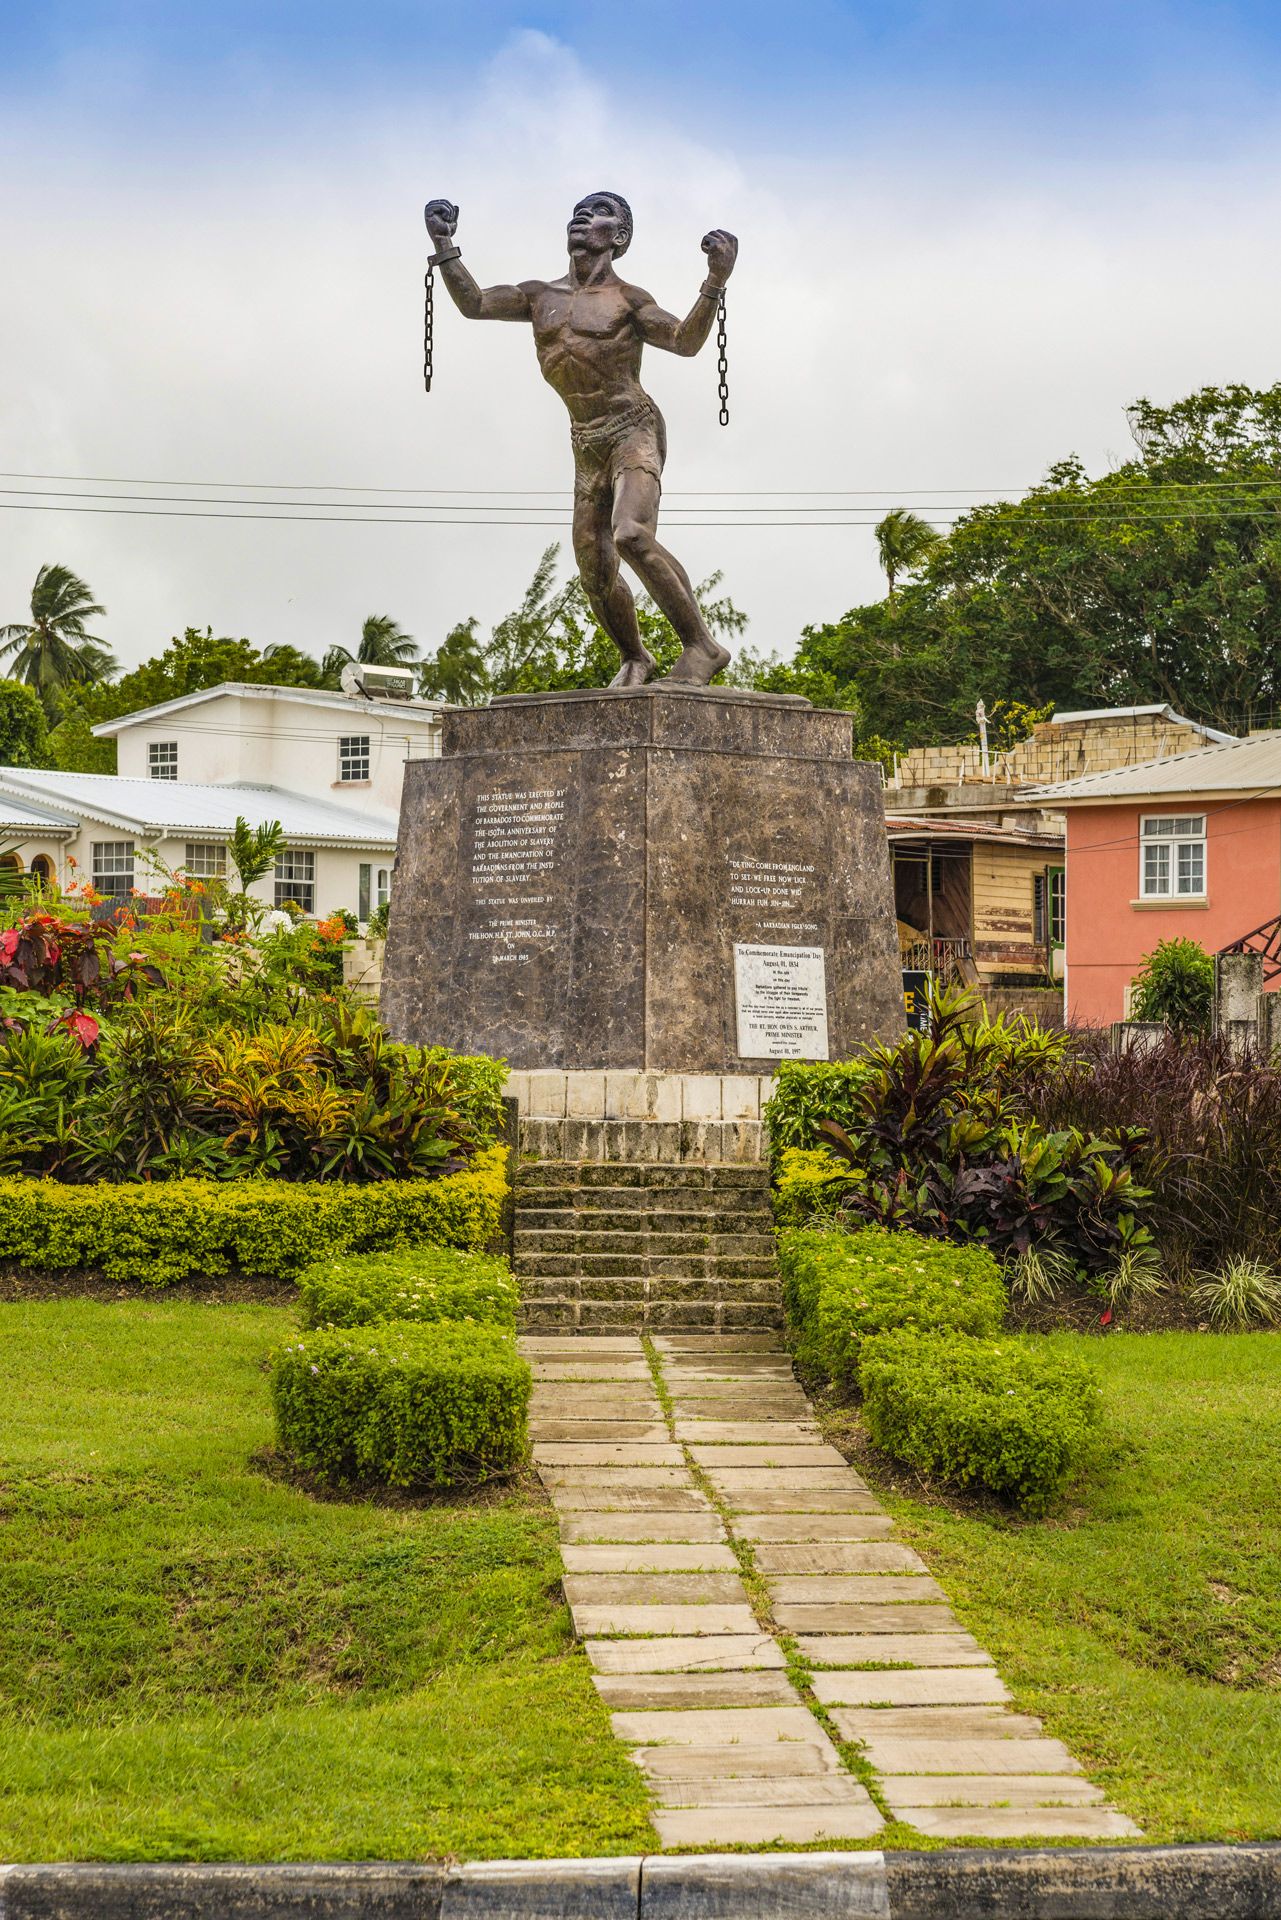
(658, 328)
(476, 302)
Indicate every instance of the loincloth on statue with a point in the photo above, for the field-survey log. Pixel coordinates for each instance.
(636, 438)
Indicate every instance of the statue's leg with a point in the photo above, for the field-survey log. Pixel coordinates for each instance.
(635, 522)
(607, 592)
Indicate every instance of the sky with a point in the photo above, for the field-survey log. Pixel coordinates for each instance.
(971, 233)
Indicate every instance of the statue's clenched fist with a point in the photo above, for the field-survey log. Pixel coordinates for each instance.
(721, 249)
(442, 220)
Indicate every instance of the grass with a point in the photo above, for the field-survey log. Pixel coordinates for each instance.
(198, 1660)
(1143, 1621)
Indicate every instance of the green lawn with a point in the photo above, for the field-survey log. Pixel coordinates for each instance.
(198, 1661)
(1144, 1622)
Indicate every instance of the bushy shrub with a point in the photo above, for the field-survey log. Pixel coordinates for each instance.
(809, 1185)
(410, 1283)
(841, 1289)
(807, 1092)
(1175, 985)
(162, 1232)
(407, 1405)
(1012, 1415)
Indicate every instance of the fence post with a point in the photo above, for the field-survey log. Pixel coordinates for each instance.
(1238, 989)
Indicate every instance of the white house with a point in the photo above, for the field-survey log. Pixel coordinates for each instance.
(328, 766)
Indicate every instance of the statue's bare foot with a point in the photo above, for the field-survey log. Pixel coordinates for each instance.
(699, 663)
(635, 670)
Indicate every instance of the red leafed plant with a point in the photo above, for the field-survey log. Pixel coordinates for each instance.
(44, 954)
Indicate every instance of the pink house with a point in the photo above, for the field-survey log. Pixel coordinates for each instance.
(1189, 846)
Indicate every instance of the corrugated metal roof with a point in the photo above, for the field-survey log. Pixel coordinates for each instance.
(424, 711)
(161, 807)
(930, 827)
(1235, 766)
(21, 813)
(1161, 711)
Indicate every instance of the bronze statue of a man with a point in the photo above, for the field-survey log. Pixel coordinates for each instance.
(589, 329)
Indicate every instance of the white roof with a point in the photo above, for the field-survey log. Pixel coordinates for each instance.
(1161, 711)
(1235, 766)
(158, 809)
(421, 712)
(21, 813)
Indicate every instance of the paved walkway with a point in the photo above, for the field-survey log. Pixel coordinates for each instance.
(781, 1667)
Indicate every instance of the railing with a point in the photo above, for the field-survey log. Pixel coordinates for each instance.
(1264, 940)
(945, 958)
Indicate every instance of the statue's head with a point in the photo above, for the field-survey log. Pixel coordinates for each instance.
(601, 222)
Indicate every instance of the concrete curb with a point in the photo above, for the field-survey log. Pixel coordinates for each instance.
(1060, 1883)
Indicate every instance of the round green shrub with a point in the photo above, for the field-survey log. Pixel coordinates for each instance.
(840, 1289)
(409, 1283)
(1013, 1415)
(407, 1404)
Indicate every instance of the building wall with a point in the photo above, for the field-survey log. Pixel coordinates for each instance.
(1107, 934)
(1003, 922)
(285, 743)
(1053, 753)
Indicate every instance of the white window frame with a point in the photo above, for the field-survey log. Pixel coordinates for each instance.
(206, 860)
(162, 759)
(112, 867)
(296, 879)
(382, 886)
(354, 759)
(1179, 836)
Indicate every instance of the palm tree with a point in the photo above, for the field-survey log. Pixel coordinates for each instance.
(52, 650)
(383, 643)
(903, 542)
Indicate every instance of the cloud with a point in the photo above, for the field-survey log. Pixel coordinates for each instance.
(241, 300)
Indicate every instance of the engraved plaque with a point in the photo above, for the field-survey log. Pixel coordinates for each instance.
(782, 1002)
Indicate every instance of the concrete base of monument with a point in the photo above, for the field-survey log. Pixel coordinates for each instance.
(641, 1117)
(660, 880)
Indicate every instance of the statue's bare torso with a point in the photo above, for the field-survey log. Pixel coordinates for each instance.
(590, 329)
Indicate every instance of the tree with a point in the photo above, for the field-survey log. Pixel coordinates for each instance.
(552, 640)
(903, 542)
(53, 649)
(383, 643)
(24, 738)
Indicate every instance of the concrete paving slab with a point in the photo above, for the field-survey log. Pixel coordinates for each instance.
(867, 1556)
(651, 1691)
(748, 1433)
(989, 1790)
(1014, 1823)
(911, 1687)
(901, 1618)
(727, 1366)
(593, 1622)
(742, 1479)
(676, 1343)
(906, 1649)
(809, 1790)
(982, 1722)
(604, 1475)
(719, 1727)
(583, 1346)
(605, 1453)
(569, 1368)
(727, 1400)
(653, 1589)
(852, 1588)
(677, 1653)
(589, 1527)
(756, 1826)
(773, 1456)
(776, 1760)
(782, 1499)
(654, 1557)
(810, 1529)
(545, 1432)
(600, 1497)
(902, 1755)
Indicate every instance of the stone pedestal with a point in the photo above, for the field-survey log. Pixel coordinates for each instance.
(659, 880)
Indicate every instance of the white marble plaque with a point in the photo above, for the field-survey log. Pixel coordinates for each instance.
(782, 1002)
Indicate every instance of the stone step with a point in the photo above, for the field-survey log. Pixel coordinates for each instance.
(647, 1286)
(642, 1173)
(680, 1269)
(655, 1222)
(590, 1239)
(649, 1316)
(694, 1204)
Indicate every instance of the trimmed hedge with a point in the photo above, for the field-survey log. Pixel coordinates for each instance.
(411, 1283)
(407, 1405)
(809, 1186)
(162, 1232)
(840, 1289)
(1011, 1415)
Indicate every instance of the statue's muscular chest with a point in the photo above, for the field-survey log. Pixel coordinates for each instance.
(567, 319)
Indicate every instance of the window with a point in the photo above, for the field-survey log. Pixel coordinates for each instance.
(1058, 906)
(162, 759)
(1040, 926)
(367, 896)
(384, 886)
(296, 879)
(353, 756)
(206, 860)
(112, 866)
(1171, 856)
